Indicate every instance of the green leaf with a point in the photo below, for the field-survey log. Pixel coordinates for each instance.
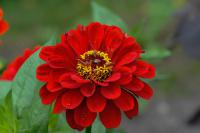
(97, 127)
(105, 16)
(5, 87)
(156, 52)
(58, 124)
(7, 119)
(31, 114)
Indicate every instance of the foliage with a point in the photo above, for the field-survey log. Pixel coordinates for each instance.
(8, 121)
(103, 15)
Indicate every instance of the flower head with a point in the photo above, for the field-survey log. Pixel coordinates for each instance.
(12, 68)
(3, 24)
(94, 70)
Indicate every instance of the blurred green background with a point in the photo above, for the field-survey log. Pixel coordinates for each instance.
(34, 21)
(152, 22)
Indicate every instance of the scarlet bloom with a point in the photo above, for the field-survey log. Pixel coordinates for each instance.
(3, 24)
(94, 70)
(12, 68)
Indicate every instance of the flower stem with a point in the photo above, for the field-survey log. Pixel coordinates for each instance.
(88, 129)
(109, 130)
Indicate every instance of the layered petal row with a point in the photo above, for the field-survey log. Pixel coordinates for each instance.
(94, 70)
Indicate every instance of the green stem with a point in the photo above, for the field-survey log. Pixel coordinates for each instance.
(109, 130)
(88, 129)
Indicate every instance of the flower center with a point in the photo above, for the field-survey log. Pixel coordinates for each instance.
(94, 65)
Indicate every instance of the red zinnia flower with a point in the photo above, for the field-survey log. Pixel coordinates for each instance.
(3, 24)
(12, 68)
(94, 70)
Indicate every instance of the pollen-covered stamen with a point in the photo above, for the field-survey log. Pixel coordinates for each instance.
(94, 65)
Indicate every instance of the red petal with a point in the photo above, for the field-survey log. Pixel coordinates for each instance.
(1, 13)
(126, 59)
(72, 99)
(133, 112)
(56, 74)
(111, 116)
(128, 46)
(114, 38)
(113, 77)
(43, 72)
(73, 40)
(68, 54)
(126, 75)
(111, 92)
(46, 96)
(83, 116)
(71, 121)
(144, 70)
(95, 34)
(125, 101)
(77, 38)
(58, 107)
(150, 73)
(57, 62)
(46, 52)
(88, 89)
(101, 83)
(141, 67)
(146, 92)
(135, 85)
(53, 86)
(131, 43)
(79, 79)
(3, 26)
(96, 103)
(67, 82)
